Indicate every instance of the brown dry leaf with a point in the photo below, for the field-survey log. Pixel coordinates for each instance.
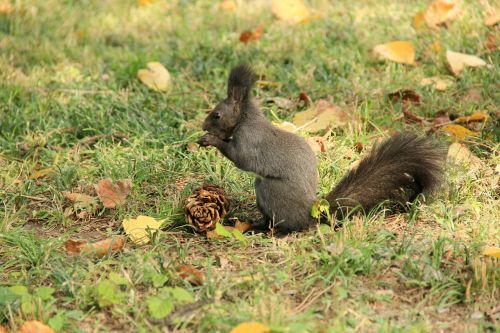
(476, 116)
(190, 274)
(242, 226)
(440, 12)
(442, 117)
(321, 116)
(3, 329)
(435, 47)
(40, 173)
(398, 51)
(458, 61)
(440, 84)
(405, 96)
(318, 144)
(492, 17)
(304, 98)
(250, 327)
(100, 248)
(227, 5)
(286, 126)
(6, 7)
(213, 234)
(292, 11)
(251, 36)
(492, 41)
(113, 195)
(457, 131)
(79, 198)
(473, 95)
(155, 77)
(460, 154)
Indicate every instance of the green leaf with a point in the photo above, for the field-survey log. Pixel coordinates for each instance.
(318, 207)
(158, 279)
(221, 231)
(182, 295)
(239, 236)
(117, 279)
(159, 307)
(45, 293)
(58, 321)
(108, 293)
(19, 290)
(7, 296)
(27, 305)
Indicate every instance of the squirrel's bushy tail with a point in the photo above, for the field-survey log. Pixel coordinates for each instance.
(240, 83)
(396, 171)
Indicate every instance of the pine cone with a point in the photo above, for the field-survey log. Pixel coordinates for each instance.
(205, 207)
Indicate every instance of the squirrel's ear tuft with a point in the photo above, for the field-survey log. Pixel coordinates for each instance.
(240, 83)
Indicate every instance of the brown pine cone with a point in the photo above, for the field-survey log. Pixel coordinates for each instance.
(205, 207)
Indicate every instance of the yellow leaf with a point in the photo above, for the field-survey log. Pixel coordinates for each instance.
(458, 131)
(286, 126)
(476, 116)
(6, 7)
(460, 154)
(137, 228)
(418, 19)
(35, 326)
(143, 3)
(441, 11)
(399, 51)
(40, 173)
(458, 61)
(155, 77)
(250, 327)
(492, 18)
(293, 11)
(440, 84)
(227, 5)
(323, 115)
(492, 251)
(435, 47)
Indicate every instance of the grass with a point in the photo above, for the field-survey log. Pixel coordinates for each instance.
(69, 73)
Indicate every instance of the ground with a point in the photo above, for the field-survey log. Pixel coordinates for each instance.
(72, 112)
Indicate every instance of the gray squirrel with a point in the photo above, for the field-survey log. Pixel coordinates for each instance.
(395, 171)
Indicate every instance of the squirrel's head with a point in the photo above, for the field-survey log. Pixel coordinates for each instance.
(222, 120)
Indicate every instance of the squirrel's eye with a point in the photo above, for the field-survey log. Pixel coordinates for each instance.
(217, 115)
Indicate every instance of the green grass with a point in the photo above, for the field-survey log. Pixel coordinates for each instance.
(417, 272)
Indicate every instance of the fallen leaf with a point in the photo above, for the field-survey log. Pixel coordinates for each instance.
(79, 198)
(281, 102)
(143, 3)
(190, 274)
(292, 11)
(358, 147)
(321, 116)
(458, 61)
(155, 77)
(251, 327)
(113, 195)
(6, 7)
(442, 117)
(250, 36)
(34, 326)
(492, 41)
(405, 96)
(440, 12)
(440, 84)
(303, 97)
(476, 116)
(242, 226)
(460, 154)
(100, 248)
(3, 329)
(40, 173)
(286, 126)
(228, 5)
(418, 19)
(458, 131)
(137, 229)
(436, 47)
(492, 18)
(398, 51)
(317, 144)
(492, 251)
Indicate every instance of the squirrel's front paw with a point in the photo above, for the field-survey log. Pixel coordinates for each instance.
(207, 140)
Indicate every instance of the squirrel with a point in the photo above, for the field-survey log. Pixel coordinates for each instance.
(395, 171)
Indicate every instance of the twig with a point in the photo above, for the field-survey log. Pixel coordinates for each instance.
(307, 302)
(182, 312)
